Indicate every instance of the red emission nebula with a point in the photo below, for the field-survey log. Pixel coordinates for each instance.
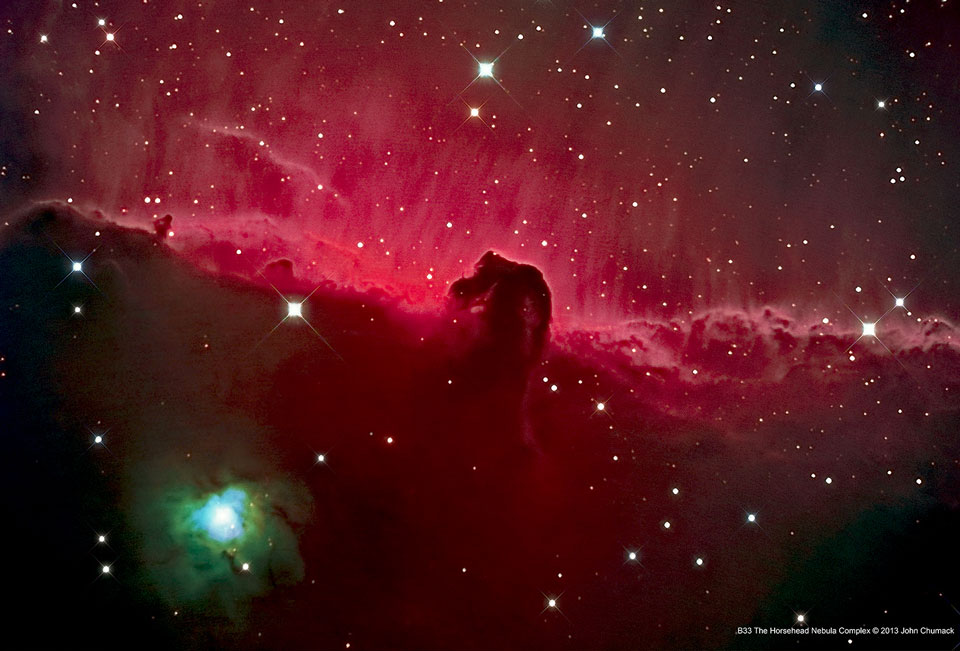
(535, 324)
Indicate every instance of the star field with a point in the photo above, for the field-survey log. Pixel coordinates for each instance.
(466, 325)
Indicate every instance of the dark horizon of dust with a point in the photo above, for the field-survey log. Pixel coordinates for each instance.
(459, 490)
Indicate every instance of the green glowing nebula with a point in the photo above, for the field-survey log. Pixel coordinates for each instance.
(225, 529)
(224, 545)
(222, 516)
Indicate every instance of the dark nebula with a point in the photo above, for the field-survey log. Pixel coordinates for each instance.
(315, 336)
(470, 473)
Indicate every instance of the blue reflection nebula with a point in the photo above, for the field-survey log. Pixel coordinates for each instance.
(222, 516)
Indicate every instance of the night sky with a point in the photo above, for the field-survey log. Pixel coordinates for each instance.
(439, 325)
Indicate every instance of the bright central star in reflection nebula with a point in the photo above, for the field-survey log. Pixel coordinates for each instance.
(221, 517)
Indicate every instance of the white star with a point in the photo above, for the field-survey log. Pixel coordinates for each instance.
(818, 87)
(110, 36)
(552, 603)
(899, 302)
(106, 569)
(486, 69)
(869, 330)
(751, 518)
(598, 32)
(77, 266)
(294, 309)
(632, 556)
(101, 539)
(224, 515)
(474, 112)
(321, 458)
